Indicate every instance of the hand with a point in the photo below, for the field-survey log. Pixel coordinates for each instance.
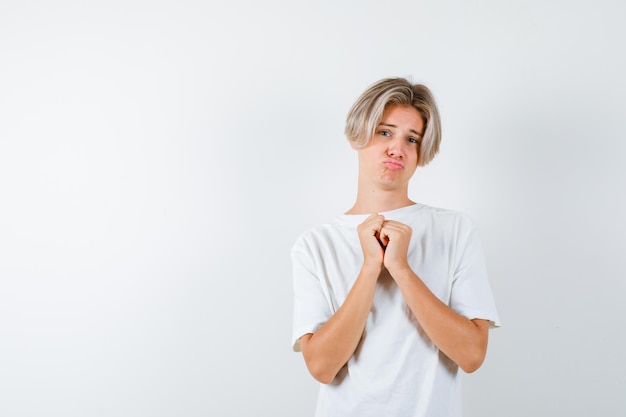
(395, 236)
(369, 235)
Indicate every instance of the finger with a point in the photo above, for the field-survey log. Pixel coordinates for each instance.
(374, 223)
(391, 232)
(396, 227)
(383, 235)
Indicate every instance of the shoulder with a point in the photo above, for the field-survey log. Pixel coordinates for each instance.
(444, 218)
(316, 235)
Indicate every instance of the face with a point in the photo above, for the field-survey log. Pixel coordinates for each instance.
(391, 157)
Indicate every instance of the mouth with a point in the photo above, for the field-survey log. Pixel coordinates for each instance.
(394, 165)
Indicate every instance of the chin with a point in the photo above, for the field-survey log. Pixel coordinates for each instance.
(392, 185)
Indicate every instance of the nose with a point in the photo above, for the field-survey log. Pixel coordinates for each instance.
(394, 148)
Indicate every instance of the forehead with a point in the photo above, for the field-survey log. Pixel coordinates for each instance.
(403, 116)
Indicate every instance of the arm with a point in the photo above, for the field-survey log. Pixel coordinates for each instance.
(331, 346)
(463, 340)
(327, 350)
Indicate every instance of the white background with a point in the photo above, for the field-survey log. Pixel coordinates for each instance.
(158, 159)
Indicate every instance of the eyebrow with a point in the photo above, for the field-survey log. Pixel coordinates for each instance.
(394, 126)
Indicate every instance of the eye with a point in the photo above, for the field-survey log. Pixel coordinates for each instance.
(413, 140)
(385, 133)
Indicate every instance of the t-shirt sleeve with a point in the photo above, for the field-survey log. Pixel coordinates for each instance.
(471, 294)
(311, 309)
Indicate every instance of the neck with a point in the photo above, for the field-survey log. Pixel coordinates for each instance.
(376, 201)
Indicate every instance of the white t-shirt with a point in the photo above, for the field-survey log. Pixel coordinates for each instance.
(396, 369)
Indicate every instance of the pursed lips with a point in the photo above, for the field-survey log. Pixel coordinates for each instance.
(394, 164)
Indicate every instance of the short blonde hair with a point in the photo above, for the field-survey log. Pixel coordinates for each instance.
(367, 111)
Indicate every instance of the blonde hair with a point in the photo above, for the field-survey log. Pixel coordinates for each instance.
(367, 111)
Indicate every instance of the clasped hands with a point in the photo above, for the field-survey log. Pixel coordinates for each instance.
(384, 242)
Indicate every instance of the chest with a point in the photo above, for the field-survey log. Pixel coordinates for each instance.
(431, 258)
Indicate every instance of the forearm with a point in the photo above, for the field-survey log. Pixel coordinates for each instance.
(464, 341)
(331, 346)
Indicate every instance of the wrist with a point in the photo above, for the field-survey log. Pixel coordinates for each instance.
(372, 268)
(399, 270)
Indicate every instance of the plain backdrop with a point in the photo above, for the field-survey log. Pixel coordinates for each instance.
(159, 158)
